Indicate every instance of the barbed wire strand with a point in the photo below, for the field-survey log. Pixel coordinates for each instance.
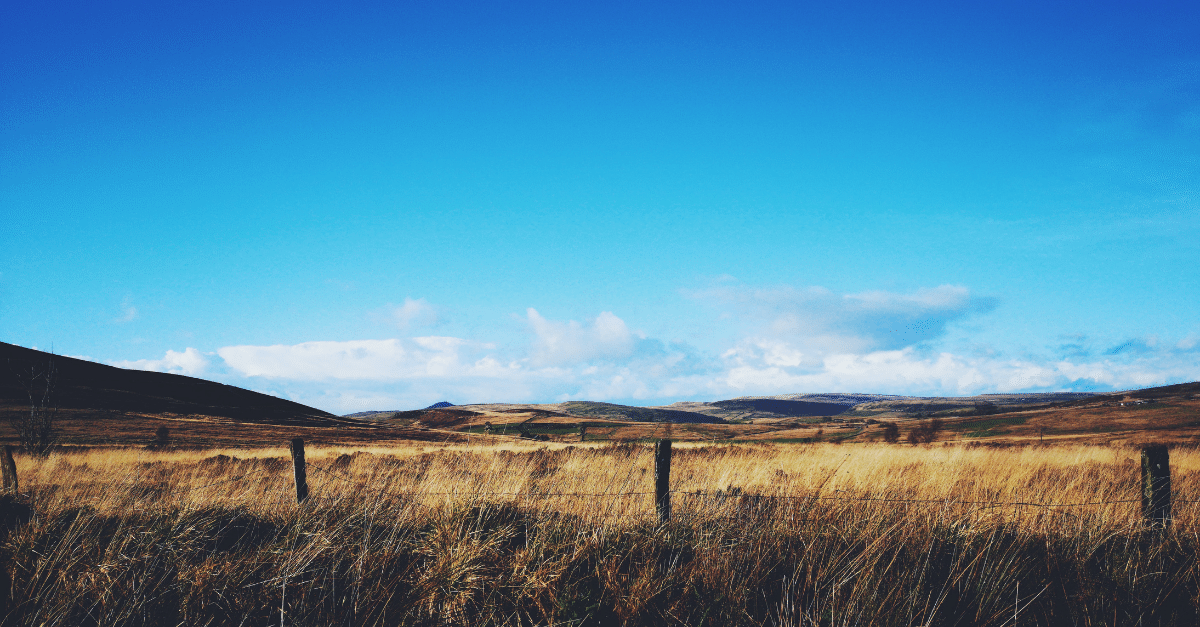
(716, 497)
(727, 496)
(365, 485)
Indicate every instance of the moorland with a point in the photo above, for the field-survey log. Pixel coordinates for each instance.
(1016, 510)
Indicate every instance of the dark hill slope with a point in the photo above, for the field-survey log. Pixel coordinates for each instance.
(613, 411)
(782, 407)
(1188, 390)
(86, 385)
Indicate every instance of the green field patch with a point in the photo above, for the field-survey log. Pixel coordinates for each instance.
(827, 437)
(988, 427)
(534, 428)
(552, 429)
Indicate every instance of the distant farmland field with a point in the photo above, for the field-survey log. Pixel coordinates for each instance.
(519, 533)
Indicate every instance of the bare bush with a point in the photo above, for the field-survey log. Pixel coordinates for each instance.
(162, 437)
(35, 430)
(985, 408)
(926, 432)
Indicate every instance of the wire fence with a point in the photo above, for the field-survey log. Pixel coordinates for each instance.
(729, 496)
(639, 503)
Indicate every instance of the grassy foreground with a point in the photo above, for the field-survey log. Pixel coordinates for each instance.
(518, 535)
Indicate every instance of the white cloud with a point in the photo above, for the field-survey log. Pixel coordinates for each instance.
(406, 374)
(190, 362)
(561, 343)
(378, 360)
(823, 322)
(414, 313)
(599, 359)
(907, 372)
(792, 340)
(899, 371)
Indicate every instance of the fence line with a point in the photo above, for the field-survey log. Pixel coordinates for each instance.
(476, 492)
(726, 495)
(1156, 497)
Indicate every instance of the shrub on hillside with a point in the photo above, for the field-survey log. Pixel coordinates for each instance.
(925, 432)
(891, 433)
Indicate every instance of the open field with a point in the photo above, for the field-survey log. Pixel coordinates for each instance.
(520, 533)
(1168, 414)
(786, 511)
(1173, 419)
(89, 428)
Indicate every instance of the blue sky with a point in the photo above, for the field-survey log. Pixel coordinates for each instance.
(379, 206)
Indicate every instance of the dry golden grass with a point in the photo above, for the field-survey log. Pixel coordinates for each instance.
(615, 480)
(1173, 417)
(510, 532)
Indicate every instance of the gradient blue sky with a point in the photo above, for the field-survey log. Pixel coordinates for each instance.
(379, 206)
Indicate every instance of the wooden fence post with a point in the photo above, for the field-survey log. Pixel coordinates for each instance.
(1156, 486)
(9, 469)
(299, 470)
(662, 479)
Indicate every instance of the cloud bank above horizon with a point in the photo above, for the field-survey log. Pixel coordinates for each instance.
(787, 340)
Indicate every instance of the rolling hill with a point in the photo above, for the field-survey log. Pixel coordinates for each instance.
(83, 384)
(1169, 413)
(104, 405)
(99, 404)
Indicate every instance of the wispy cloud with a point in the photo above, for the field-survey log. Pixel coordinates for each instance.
(129, 313)
(413, 314)
(372, 360)
(818, 321)
(1152, 344)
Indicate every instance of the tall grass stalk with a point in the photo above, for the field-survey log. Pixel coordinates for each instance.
(518, 535)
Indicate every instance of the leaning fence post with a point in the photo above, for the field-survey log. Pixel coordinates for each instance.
(9, 469)
(662, 479)
(1156, 485)
(298, 469)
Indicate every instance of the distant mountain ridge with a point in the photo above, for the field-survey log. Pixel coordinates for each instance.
(837, 398)
(637, 414)
(780, 407)
(742, 408)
